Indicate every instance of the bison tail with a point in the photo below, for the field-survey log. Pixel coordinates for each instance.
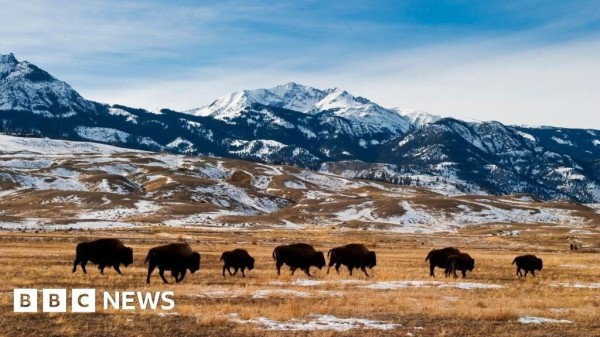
(329, 253)
(222, 257)
(428, 257)
(514, 261)
(275, 253)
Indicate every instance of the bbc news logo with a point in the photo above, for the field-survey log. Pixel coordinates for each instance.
(84, 300)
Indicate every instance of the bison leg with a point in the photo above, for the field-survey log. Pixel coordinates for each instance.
(519, 272)
(278, 266)
(293, 269)
(235, 270)
(337, 268)
(533, 272)
(75, 263)
(243, 275)
(328, 267)
(161, 272)
(350, 270)
(464, 273)
(116, 266)
(183, 272)
(364, 270)
(83, 266)
(526, 271)
(151, 267)
(307, 271)
(101, 267)
(431, 268)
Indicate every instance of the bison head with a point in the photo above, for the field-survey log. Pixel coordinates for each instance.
(250, 263)
(538, 264)
(470, 264)
(371, 260)
(126, 256)
(319, 260)
(194, 262)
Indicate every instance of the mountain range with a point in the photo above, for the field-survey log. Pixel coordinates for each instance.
(328, 130)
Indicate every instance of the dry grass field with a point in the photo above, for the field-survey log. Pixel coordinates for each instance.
(399, 299)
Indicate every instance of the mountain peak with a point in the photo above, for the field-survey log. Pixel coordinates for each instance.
(305, 99)
(25, 87)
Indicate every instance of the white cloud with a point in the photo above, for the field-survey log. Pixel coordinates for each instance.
(549, 85)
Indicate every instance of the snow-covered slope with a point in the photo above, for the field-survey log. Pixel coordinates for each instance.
(108, 188)
(25, 87)
(418, 118)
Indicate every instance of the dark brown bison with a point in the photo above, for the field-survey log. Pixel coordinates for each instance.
(529, 263)
(462, 262)
(176, 257)
(438, 258)
(354, 255)
(238, 259)
(298, 256)
(103, 252)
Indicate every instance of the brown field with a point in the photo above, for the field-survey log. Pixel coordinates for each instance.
(205, 301)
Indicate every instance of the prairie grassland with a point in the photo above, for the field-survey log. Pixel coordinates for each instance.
(400, 292)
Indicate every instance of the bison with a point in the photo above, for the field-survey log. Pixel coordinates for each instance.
(298, 255)
(238, 259)
(103, 252)
(529, 263)
(438, 258)
(462, 262)
(176, 257)
(353, 255)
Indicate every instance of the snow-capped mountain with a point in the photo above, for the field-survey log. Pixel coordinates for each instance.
(330, 130)
(418, 118)
(300, 98)
(25, 87)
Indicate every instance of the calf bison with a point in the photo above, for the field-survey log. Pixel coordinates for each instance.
(238, 259)
(353, 255)
(176, 257)
(103, 252)
(529, 263)
(462, 262)
(438, 258)
(298, 255)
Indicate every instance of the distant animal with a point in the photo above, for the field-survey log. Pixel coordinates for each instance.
(298, 256)
(103, 252)
(238, 259)
(176, 257)
(529, 263)
(354, 255)
(438, 258)
(462, 262)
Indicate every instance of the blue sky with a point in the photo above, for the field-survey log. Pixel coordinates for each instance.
(519, 62)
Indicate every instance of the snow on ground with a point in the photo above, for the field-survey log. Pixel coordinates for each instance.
(51, 147)
(316, 322)
(579, 285)
(141, 207)
(26, 164)
(33, 225)
(390, 285)
(296, 185)
(540, 320)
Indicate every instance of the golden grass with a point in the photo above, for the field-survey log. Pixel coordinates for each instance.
(205, 300)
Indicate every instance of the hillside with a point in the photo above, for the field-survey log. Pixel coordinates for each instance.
(49, 184)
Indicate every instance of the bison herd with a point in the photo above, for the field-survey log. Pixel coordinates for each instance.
(178, 258)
